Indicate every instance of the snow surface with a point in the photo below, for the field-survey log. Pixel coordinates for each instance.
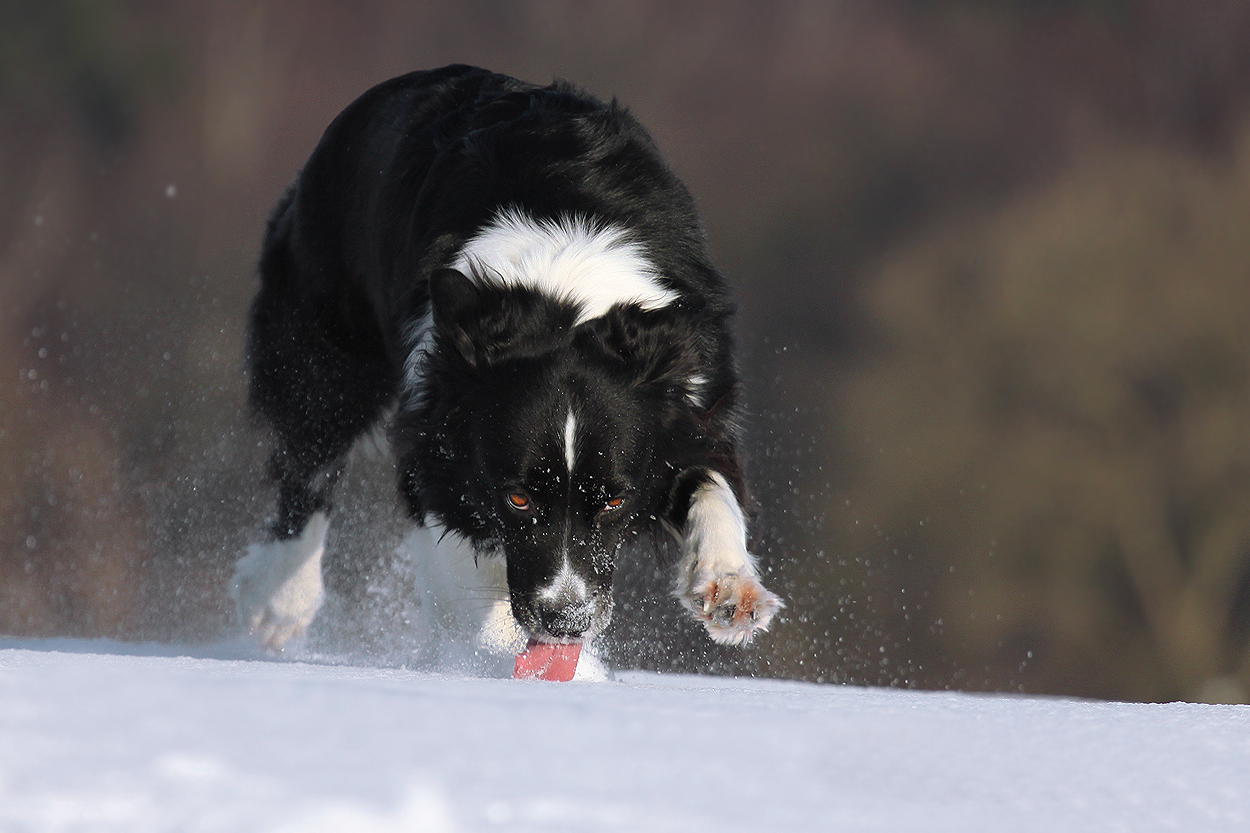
(102, 736)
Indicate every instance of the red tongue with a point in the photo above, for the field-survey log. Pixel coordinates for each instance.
(555, 661)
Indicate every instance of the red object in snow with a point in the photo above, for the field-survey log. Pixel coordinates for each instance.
(554, 661)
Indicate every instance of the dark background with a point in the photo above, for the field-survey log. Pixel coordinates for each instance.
(992, 260)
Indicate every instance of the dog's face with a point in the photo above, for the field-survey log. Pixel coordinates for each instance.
(544, 453)
(548, 467)
(561, 466)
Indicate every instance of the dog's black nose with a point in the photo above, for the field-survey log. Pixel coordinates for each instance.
(567, 621)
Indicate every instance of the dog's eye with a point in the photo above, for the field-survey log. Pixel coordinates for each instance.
(615, 503)
(519, 501)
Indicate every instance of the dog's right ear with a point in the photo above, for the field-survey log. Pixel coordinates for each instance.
(455, 302)
(656, 346)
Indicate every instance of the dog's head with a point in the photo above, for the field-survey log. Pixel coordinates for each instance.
(547, 441)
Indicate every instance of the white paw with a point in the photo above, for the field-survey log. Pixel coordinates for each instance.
(717, 579)
(277, 586)
(733, 606)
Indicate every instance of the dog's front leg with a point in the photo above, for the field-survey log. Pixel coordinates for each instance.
(717, 578)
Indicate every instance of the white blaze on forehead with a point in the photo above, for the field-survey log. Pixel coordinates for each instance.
(570, 440)
(572, 259)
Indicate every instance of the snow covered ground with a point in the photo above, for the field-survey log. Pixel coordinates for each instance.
(101, 736)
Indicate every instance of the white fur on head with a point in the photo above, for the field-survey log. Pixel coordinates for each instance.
(570, 441)
(573, 259)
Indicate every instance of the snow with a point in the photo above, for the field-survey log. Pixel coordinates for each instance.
(102, 736)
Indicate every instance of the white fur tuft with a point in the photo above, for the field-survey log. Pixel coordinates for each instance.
(573, 259)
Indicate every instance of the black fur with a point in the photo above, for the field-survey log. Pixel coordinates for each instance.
(357, 252)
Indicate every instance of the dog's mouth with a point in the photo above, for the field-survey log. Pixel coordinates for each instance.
(548, 639)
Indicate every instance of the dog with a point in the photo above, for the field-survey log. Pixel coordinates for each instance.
(510, 279)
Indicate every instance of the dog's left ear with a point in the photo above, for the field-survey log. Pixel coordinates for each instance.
(455, 303)
(489, 324)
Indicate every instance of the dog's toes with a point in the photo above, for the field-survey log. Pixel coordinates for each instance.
(733, 607)
(273, 631)
(274, 605)
(276, 624)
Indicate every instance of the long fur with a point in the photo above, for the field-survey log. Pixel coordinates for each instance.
(516, 275)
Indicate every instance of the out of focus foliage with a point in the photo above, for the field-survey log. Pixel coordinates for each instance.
(1053, 431)
(992, 261)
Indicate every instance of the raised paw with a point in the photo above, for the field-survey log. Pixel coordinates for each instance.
(732, 606)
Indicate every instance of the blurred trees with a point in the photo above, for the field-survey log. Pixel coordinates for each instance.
(120, 380)
(1057, 413)
(991, 261)
(71, 535)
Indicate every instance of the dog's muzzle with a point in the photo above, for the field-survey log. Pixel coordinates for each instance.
(566, 621)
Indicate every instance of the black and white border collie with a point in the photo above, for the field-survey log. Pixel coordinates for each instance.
(513, 280)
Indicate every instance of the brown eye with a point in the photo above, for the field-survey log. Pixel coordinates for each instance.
(519, 501)
(614, 503)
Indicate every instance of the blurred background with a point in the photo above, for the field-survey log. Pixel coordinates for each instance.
(993, 262)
